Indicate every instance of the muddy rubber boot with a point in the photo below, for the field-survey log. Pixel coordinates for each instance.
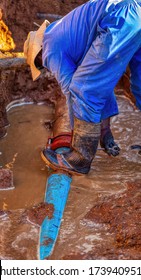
(107, 140)
(83, 148)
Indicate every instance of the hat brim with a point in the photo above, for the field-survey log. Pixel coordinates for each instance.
(32, 47)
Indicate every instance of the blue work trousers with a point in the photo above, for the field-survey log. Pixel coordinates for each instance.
(118, 43)
(89, 50)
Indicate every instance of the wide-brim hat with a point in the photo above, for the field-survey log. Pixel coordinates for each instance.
(32, 47)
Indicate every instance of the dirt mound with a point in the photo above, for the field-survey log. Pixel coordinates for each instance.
(20, 17)
(120, 218)
(38, 213)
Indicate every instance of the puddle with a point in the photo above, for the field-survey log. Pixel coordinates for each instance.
(79, 236)
(20, 151)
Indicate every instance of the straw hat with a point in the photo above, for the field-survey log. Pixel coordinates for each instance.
(32, 47)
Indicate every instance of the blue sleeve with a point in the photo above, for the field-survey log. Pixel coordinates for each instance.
(62, 67)
(135, 77)
(66, 41)
(55, 56)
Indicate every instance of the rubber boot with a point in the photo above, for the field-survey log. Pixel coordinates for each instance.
(107, 140)
(83, 148)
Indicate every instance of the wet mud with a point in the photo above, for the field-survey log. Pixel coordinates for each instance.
(102, 215)
(22, 208)
(102, 218)
(38, 213)
(20, 153)
(119, 217)
(19, 238)
(6, 179)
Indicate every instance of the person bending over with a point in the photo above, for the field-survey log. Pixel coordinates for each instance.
(88, 51)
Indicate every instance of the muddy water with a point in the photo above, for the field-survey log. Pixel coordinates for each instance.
(79, 235)
(20, 151)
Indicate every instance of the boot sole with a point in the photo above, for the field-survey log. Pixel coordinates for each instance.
(59, 168)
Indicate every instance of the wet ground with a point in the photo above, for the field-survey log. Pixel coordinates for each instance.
(20, 151)
(102, 216)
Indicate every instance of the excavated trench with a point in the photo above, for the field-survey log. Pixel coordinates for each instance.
(102, 216)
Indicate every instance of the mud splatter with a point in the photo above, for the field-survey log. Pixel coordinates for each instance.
(11, 164)
(6, 179)
(47, 241)
(37, 214)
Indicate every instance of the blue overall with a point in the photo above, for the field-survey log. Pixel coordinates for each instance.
(88, 51)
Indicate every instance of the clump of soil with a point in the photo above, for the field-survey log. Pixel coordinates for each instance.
(38, 213)
(6, 179)
(122, 215)
(121, 212)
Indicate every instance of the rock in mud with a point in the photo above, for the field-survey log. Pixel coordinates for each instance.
(6, 179)
(38, 213)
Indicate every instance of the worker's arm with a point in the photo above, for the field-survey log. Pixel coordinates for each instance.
(62, 67)
(67, 41)
(56, 57)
